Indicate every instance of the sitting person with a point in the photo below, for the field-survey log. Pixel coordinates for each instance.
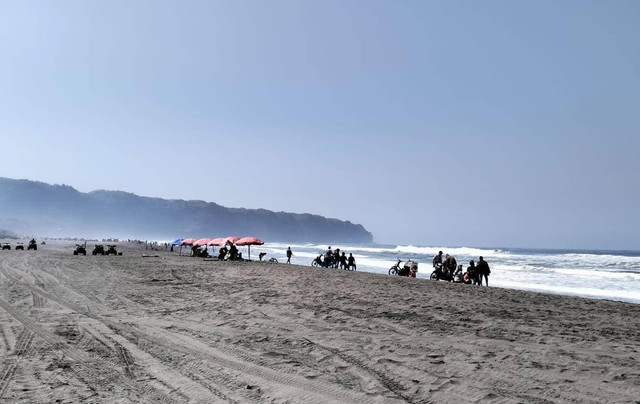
(471, 276)
(233, 251)
(222, 253)
(458, 275)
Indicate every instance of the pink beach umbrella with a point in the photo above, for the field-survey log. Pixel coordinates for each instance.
(217, 242)
(232, 240)
(186, 241)
(249, 241)
(201, 242)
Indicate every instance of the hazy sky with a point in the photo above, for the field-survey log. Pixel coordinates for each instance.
(481, 123)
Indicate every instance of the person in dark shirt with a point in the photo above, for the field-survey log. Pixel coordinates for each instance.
(472, 273)
(343, 261)
(289, 254)
(483, 270)
(437, 259)
(352, 262)
(450, 265)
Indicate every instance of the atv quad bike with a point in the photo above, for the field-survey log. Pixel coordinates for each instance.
(98, 250)
(80, 249)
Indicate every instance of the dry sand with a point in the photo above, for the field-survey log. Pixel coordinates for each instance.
(176, 329)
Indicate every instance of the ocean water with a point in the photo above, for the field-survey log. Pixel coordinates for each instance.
(612, 275)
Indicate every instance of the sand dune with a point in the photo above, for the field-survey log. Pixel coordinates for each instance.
(177, 329)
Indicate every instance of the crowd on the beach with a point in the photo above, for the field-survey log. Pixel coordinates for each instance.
(449, 270)
(335, 259)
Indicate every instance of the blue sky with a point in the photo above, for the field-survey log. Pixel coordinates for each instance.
(494, 123)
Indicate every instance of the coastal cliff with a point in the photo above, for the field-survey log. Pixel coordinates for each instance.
(31, 207)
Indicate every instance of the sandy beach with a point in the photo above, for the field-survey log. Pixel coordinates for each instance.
(176, 329)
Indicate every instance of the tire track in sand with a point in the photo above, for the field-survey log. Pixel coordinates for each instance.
(23, 345)
(308, 390)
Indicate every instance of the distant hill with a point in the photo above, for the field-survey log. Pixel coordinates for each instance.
(31, 207)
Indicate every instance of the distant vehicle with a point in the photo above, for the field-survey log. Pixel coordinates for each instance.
(6, 246)
(80, 249)
(111, 249)
(98, 250)
(19, 246)
(33, 245)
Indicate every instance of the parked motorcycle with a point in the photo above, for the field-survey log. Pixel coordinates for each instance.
(409, 268)
(318, 262)
(440, 274)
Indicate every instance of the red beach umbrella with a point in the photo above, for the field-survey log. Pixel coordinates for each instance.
(202, 241)
(217, 241)
(249, 241)
(188, 241)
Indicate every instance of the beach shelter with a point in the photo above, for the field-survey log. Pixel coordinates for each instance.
(249, 241)
(186, 241)
(201, 242)
(177, 241)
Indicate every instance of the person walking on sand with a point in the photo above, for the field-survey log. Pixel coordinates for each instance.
(483, 270)
(289, 254)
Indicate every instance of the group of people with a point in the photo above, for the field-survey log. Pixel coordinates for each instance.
(454, 272)
(336, 259)
(227, 252)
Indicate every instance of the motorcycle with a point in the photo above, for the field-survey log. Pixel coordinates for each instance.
(318, 262)
(440, 274)
(409, 268)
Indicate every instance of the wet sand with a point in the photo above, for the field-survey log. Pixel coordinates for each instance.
(129, 329)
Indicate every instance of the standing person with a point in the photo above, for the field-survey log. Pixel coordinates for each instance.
(352, 262)
(336, 258)
(289, 254)
(343, 261)
(450, 265)
(483, 270)
(328, 256)
(437, 259)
